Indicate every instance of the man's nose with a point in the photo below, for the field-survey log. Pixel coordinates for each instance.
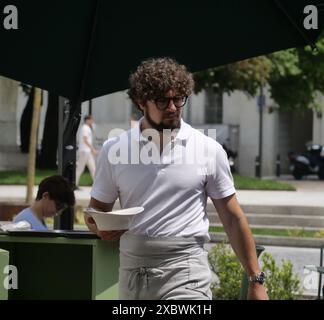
(171, 106)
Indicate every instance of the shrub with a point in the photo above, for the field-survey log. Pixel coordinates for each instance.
(229, 272)
(297, 233)
(281, 282)
(319, 234)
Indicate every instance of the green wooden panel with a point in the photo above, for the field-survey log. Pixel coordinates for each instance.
(4, 261)
(106, 267)
(63, 268)
(51, 271)
(49, 240)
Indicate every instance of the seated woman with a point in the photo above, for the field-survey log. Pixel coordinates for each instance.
(53, 197)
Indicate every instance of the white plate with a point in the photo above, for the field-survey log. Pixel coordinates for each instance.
(114, 220)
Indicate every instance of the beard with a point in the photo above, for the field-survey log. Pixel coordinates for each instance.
(165, 124)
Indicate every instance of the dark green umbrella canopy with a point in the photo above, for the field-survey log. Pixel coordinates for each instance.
(86, 48)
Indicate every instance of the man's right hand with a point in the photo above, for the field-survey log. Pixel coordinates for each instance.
(112, 235)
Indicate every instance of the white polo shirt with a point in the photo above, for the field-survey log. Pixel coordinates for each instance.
(172, 187)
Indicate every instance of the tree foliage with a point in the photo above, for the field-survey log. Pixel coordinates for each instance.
(295, 77)
(245, 75)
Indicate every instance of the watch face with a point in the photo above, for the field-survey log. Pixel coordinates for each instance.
(259, 277)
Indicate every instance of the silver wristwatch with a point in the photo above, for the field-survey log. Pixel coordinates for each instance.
(258, 277)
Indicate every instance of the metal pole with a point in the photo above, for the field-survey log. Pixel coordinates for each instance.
(62, 110)
(69, 119)
(278, 169)
(90, 108)
(257, 166)
(320, 275)
(261, 105)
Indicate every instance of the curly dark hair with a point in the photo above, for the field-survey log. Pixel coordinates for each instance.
(156, 76)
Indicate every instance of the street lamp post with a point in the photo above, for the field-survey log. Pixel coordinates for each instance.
(261, 105)
(69, 119)
(90, 107)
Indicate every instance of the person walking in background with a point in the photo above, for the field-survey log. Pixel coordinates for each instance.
(86, 151)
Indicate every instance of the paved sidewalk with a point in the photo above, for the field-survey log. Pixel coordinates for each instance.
(310, 193)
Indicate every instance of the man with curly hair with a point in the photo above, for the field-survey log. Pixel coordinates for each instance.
(162, 254)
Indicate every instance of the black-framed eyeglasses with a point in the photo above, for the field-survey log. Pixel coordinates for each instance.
(163, 102)
(60, 207)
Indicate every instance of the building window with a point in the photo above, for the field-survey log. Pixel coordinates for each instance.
(213, 106)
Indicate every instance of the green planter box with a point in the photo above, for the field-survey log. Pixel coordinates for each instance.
(4, 261)
(68, 266)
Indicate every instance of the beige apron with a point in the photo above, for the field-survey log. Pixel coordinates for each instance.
(163, 268)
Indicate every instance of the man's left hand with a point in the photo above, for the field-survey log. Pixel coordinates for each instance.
(257, 291)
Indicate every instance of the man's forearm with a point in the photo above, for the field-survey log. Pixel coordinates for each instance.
(238, 231)
(242, 242)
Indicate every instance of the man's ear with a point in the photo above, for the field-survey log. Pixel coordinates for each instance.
(141, 105)
(45, 195)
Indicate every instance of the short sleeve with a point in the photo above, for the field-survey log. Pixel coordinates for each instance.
(86, 132)
(104, 187)
(220, 182)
